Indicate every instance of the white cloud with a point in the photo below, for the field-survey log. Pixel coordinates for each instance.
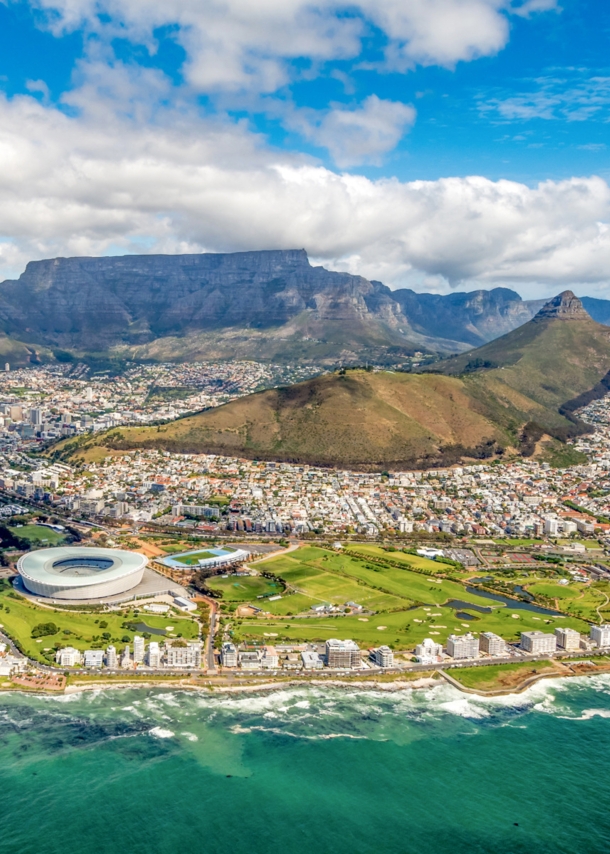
(359, 135)
(571, 99)
(235, 45)
(122, 175)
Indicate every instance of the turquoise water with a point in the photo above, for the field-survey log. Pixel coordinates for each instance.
(307, 770)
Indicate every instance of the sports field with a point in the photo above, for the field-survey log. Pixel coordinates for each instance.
(193, 558)
(244, 588)
(39, 535)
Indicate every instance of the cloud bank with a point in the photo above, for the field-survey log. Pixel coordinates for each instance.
(124, 174)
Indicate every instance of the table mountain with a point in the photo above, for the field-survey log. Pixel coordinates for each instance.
(271, 304)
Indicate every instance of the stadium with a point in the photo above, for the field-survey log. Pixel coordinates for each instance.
(217, 558)
(80, 573)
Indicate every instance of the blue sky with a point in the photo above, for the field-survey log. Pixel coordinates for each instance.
(432, 143)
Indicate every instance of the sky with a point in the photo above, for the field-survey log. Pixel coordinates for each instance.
(432, 144)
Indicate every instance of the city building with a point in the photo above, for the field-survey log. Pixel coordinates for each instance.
(568, 639)
(311, 660)
(93, 657)
(111, 658)
(126, 658)
(600, 635)
(249, 660)
(154, 655)
(492, 644)
(342, 654)
(538, 643)
(138, 649)
(269, 658)
(383, 656)
(68, 657)
(463, 646)
(183, 654)
(428, 651)
(228, 655)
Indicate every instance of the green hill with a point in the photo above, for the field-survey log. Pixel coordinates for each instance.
(504, 395)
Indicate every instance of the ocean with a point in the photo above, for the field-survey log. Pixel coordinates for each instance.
(307, 771)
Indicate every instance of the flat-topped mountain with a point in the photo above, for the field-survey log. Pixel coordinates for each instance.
(260, 305)
(505, 395)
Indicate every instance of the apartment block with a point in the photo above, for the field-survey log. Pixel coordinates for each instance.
(342, 654)
(538, 643)
(463, 646)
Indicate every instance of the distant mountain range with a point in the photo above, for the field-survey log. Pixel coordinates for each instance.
(516, 394)
(265, 305)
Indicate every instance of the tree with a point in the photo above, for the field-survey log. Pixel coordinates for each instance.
(44, 629)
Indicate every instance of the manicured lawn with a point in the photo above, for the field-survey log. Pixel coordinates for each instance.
(320, 575)
(505, 541)
(496, 676)
(417, 561)
(402, 629)
(18, 617)
(555, 591)
(244, 589)
(39, 535)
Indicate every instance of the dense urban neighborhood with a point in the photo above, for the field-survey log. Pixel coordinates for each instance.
(271, 568)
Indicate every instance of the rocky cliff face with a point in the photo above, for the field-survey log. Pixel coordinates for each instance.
(474, 318)
(98, 303)
(565, 306)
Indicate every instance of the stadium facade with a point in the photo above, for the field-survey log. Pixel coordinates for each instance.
(80, 573)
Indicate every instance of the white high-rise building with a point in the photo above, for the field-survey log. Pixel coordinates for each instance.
(428, 651)
(126, 657)
(228, 655)
(138, 649)
(463, 646)
(383, 657)
(492, 644)
(538, 643)
(111, 657)
(154, 655)
(567, 638)
(551, 526)
(600, 635)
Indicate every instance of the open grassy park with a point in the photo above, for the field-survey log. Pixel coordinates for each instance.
(82, 629)
(402, 603)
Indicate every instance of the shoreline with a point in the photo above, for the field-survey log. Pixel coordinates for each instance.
(436, 679)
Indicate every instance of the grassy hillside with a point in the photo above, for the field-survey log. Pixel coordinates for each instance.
(356, 418)
(506, 394)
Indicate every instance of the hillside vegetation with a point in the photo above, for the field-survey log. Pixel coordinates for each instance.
(507, 394)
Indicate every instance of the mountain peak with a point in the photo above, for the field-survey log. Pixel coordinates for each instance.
(565, 306)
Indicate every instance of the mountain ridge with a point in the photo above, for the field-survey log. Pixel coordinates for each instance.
(270, 304)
